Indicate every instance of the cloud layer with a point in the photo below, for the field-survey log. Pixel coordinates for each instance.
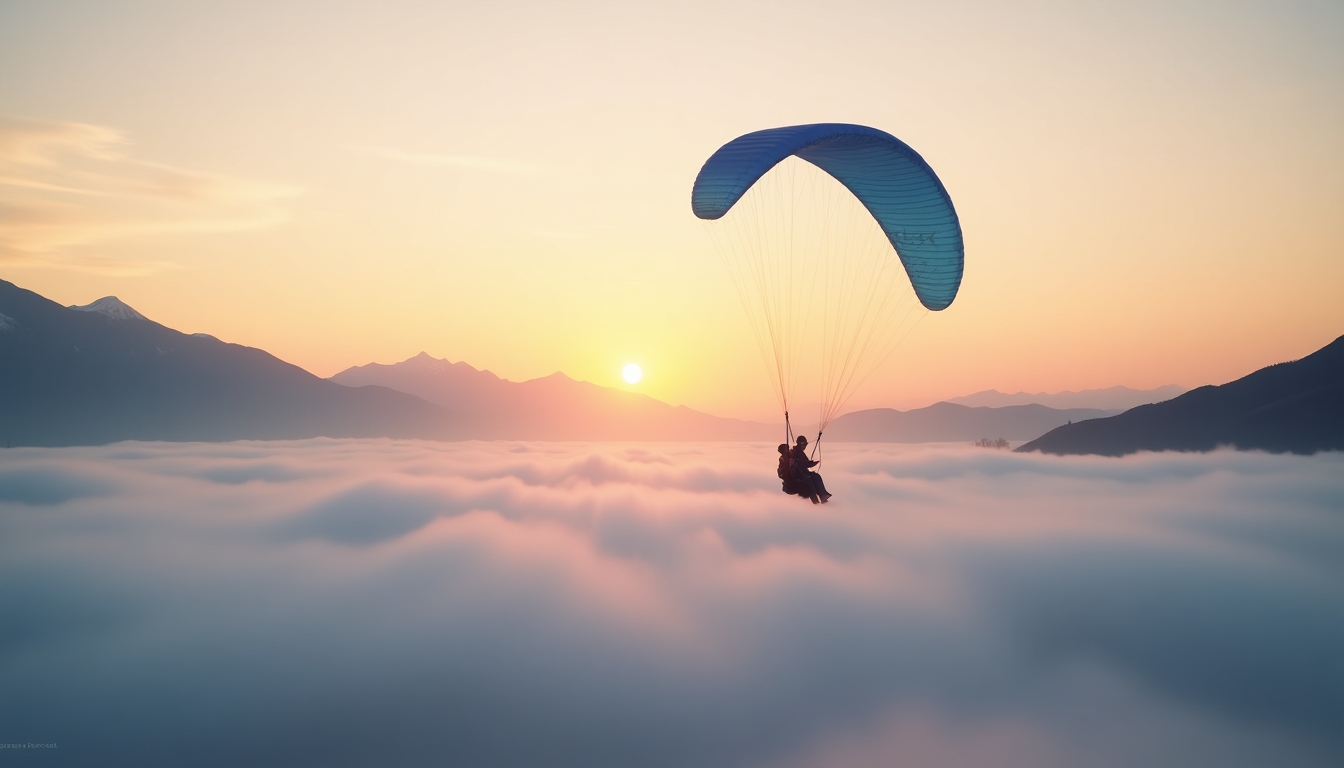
(401, 603)
(67, 186)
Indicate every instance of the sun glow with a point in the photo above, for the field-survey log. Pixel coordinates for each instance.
(632, 373)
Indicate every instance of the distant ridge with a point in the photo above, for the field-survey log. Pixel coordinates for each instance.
(1111, 398)
(945, 422)
(555, 407)
(1294, 407)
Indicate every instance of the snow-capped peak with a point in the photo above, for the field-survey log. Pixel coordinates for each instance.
(112, 307)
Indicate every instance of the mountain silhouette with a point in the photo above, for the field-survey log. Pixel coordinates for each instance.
(555, 407)
(1295, 407)
(949, 421)
(559, 408)
(103, 373)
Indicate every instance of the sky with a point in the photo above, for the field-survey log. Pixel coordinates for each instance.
(1150, 192)
(375, 602)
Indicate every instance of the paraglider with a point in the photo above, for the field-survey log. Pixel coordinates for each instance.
(839, 238)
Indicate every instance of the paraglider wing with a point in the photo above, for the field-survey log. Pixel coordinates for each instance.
(892, 181)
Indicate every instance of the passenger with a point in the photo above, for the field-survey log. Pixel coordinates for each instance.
(804, 476)
(785, 471)
(793, 483)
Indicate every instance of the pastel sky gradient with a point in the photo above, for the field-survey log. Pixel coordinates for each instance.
(1151, 193)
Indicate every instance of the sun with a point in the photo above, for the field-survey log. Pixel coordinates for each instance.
(632, 373)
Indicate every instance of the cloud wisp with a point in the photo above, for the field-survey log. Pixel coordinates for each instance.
(404, 603)
(464, 162)
(66, 188)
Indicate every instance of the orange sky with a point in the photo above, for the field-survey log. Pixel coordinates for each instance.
(1151, 193)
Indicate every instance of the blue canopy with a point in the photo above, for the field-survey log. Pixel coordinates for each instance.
(892, 181)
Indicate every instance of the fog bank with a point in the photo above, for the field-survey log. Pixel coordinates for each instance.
(390, 603)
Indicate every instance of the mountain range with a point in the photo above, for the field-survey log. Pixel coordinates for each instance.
(559, 408)
(103, 372)
(555, 407)
(1295, 407)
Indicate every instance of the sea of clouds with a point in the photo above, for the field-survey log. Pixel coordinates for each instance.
(390, 603)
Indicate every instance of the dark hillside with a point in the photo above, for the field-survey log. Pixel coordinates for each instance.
(1295, 407)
